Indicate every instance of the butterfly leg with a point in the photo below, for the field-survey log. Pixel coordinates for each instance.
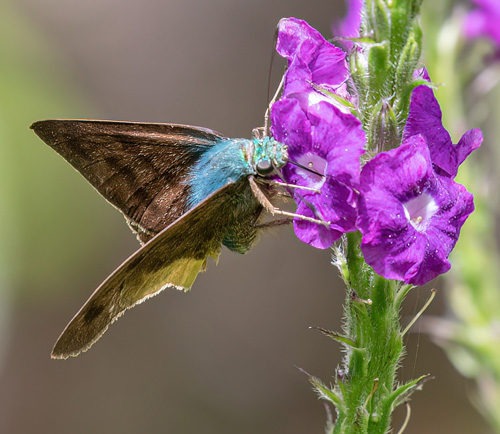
(300, 216)
(266, 203)
(293, 186)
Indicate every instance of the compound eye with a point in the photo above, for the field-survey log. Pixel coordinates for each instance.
(264, 167)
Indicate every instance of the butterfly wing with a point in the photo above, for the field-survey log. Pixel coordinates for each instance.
(140, 168)
(173, 258)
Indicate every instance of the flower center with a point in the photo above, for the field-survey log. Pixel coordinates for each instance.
(419, 211)
(317, 165)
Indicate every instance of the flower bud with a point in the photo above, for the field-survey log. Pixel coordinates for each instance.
(384, 128)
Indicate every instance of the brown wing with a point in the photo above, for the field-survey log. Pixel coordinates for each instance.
(140, 168)
(173, 258)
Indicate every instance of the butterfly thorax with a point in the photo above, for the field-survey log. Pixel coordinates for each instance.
(230, 161)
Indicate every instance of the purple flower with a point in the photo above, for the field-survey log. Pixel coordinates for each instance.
(329, 142)
(311, 59)
(410, 215)
(319, 134)
(410, 208)
(483, 21)
(425, 119)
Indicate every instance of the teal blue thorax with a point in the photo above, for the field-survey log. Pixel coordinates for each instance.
(231, 160)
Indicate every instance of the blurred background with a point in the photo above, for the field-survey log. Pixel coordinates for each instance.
(222, 358)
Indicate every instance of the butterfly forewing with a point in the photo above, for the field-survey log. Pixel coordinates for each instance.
(140, 168)
(171, 259)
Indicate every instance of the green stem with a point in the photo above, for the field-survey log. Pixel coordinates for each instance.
(371, 364)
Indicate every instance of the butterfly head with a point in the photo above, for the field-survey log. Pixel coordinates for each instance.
(268, 155)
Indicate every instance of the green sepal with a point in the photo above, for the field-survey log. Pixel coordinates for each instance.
(403, 392)
(379, 17)
(405, 83)
(379, 65)
(403, 16)
(409, 58)
(336, 337)
(326, 393)
(415, 7)
(384, 134)
(398, 397)
(339, 260)
(359, 75)
(342, 101)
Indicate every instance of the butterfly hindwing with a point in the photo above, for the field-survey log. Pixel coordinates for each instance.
(140, 168)
(173, 258)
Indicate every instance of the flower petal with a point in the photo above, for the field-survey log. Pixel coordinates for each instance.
(335, 204)
(340, 138)
(291, 33)
(312, 59)
(291, 126)
(425, 119)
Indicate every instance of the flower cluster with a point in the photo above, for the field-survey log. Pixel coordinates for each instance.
(404, 201)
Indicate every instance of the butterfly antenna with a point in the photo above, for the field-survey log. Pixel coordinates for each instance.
(271, 64)
(267, 126)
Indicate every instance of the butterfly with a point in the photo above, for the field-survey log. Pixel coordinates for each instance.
(185, 191)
